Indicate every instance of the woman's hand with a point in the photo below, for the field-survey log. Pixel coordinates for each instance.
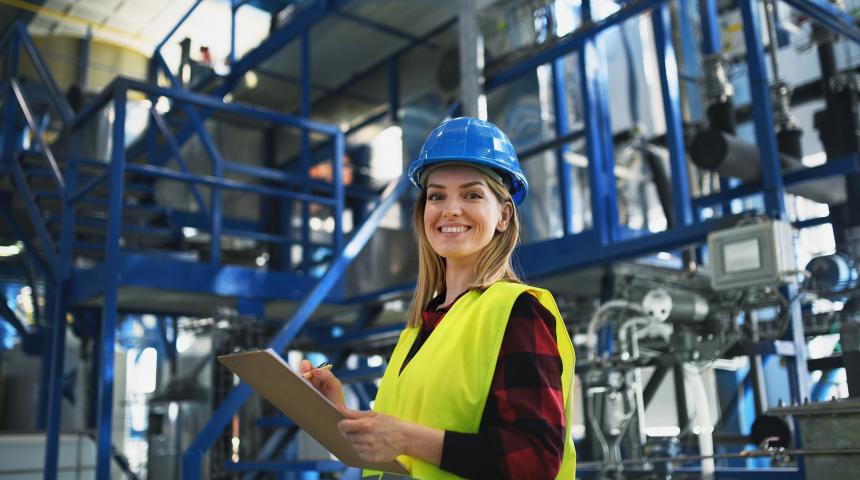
(324, 381)
(381, 438)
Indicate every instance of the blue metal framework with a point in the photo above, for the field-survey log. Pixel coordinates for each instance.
(604, 242)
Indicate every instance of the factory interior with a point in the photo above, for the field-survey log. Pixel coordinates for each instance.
(185, 179)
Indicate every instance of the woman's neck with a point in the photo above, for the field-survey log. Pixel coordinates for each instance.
(458, 276)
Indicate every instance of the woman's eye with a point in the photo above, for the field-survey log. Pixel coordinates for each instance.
(474, 196)
(434, 196)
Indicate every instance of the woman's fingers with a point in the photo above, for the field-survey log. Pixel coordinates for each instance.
(356, 414)
(305, 366)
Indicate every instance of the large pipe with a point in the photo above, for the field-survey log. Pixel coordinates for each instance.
(732, 157)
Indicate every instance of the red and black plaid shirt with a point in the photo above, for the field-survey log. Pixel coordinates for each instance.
(522, 429)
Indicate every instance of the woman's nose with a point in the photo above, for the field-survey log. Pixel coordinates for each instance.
(452, 209)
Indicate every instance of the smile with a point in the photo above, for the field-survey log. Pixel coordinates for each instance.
(454, 229)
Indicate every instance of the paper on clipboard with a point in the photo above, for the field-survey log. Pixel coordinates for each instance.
(267, 373)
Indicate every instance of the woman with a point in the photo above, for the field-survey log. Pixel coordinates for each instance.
(478, 385)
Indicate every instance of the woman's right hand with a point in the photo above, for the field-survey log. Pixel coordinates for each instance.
(324, 381)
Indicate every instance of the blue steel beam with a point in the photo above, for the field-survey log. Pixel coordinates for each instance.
(562, 127)
(10, 113)
(238, 395)
(380, 27)
(710, 28)
(825, 13)
(572, 41)
(668, 69)
(583, 250)
(57, 323)
(163, 272)
(305, 163)
(304, 20)
(339, 90)
(12, 318)
(91, 184)
(24, 106)
(774, 193)
(692, 63)
(58, 99)
(111, 280)
(177, 154)
(226, 183)
(315, 86)
(598, 142)
(24, 193)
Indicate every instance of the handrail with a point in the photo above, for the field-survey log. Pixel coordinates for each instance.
(56, 174)
(192, 456)
(174, 147)
(41, 68)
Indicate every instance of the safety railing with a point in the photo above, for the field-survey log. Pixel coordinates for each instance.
(191, 104)
(18, 106)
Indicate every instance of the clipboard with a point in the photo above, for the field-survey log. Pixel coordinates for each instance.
(267, 373)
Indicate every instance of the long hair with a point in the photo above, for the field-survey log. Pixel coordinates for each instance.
(494, 262)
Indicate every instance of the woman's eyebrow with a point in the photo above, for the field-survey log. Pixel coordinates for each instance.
(465, 185)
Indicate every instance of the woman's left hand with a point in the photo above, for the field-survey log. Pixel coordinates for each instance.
(381, 438)
(375, 436)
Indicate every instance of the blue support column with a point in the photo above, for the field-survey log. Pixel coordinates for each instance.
(234, 5)
(692, 62)
(710, 26)
(668, 69)
(57, 323)
(774, 194)
(305, 164)
(562, 127)
(337, 179)
(10, 66)
(111, 281)
(394, 90)
(604, 208)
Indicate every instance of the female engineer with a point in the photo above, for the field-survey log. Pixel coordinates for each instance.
(479, 383)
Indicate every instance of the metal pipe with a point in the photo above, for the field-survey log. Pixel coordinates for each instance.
(471, 45)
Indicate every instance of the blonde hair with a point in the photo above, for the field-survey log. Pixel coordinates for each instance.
(493, 265)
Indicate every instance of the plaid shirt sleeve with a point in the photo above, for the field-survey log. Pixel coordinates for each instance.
(522, 429)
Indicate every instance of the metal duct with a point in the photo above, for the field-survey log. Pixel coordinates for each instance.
(730, 156)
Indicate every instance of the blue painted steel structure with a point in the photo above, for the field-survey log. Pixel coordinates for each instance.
(604, 242)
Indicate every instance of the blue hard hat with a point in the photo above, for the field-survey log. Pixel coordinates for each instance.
(472, 141)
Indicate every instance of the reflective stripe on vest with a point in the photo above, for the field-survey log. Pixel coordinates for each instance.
(446, 384)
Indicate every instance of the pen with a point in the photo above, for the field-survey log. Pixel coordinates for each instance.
(323, 366)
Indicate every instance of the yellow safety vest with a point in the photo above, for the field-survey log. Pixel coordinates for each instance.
(445, 385)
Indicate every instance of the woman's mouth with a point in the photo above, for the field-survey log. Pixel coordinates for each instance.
(458, 229)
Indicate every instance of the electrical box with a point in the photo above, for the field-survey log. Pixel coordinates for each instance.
(760, 253)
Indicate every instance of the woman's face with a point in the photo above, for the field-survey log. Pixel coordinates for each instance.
(461, 214)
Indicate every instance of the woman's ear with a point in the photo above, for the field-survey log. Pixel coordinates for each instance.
(507, 212)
